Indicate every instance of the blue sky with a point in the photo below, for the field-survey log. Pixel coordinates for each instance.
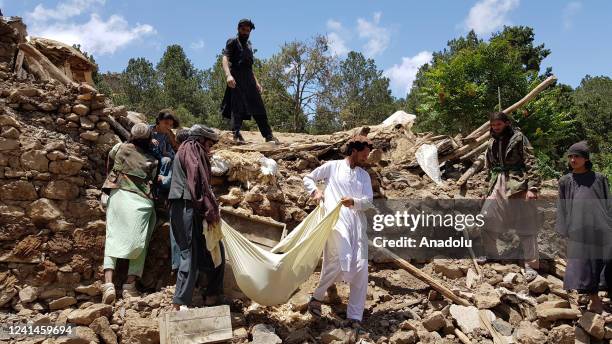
(399, 35)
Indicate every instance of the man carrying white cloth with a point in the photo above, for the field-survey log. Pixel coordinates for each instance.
(346, 252)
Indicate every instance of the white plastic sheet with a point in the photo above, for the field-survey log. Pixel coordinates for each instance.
(427, 157)
(399, 117)
(268, 166)
(218, 165)
(270, 278)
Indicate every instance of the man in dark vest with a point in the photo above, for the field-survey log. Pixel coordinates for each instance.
(242, 99)
(514, 184)
(195, 219)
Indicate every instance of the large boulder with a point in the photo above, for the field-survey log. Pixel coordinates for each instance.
(19, 190)
(88, 315)
(35, 160)
(43, 210)
(60, 190)
(140, 331)
(68, 167)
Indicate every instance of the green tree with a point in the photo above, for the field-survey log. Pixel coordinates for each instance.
(593, 108)
(278, 101)
(363, 92)
(140, 86)
(214, 84)
(302, 68)
(461, 85)
(181, 82)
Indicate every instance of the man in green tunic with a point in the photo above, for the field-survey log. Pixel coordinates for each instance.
(130, 217)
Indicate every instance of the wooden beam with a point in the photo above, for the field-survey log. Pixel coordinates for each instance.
(19, 63)
(467, 148)
(475, 168)
(53, 71)
(199, 325)
(117, 127)
(537, 90)
(37, 69)
(475, 152)
(462, 337)
(497, 337)
(416, 272)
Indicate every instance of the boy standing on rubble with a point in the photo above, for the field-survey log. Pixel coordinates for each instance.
(346, 251)
(242, 97)
(584, 218)
(514, 184)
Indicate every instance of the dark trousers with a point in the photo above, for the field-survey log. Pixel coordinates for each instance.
(195, 262)
(587, 276)
(262, 124)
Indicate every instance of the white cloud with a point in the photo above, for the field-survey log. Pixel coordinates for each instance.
(63, 10)
(570, 10)
(197, 45)
(95, 36)
(337, 37)
(377, 37)
(487, 16)
(403, 75)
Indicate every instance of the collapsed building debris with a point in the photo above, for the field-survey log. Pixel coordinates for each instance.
(55, 133)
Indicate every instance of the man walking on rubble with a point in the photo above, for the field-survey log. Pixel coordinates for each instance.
(513, 186)
(346, 251)
(242, 98)
(195, 220)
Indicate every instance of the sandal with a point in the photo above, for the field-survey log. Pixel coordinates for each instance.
(129, 290)
(530, 273)
(108, 293)
(357, 326)
(314, 307)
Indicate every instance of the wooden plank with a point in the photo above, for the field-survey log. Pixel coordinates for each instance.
(486, 322)
(37, 69)
(267, 233)
(199, 325)
(475, 168)
(19, 62)
(462, 337)
(53, 71)
(475, 152)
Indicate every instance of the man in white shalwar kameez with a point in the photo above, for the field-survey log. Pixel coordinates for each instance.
(346, 253)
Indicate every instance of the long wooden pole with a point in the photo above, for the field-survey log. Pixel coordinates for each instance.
(416, 272)
(53, 71)
(475, 168)
(537, 90)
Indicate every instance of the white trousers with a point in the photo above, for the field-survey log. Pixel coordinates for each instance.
(358, 282)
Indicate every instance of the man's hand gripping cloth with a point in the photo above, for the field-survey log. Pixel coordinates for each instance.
(270, 278)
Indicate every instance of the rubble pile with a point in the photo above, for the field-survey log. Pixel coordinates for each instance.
(55, 135)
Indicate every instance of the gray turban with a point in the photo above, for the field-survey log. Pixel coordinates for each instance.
(140, 131)
(202, 131)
